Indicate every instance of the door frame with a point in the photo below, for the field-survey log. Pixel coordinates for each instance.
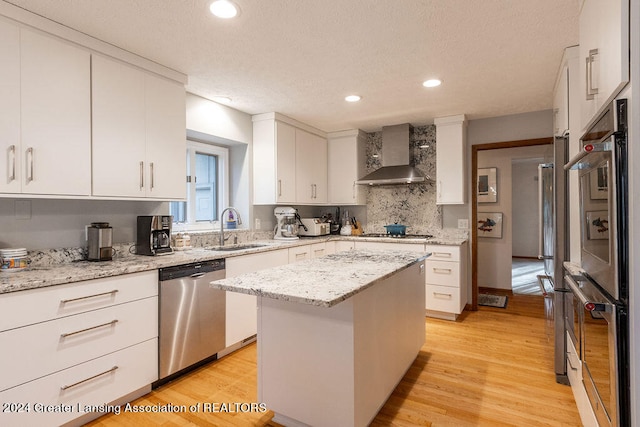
(474, 201)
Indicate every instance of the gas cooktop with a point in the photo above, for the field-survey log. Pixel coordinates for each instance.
(398, 236)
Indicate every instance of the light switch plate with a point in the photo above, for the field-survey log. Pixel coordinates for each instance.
(463, 223)
(257, 224)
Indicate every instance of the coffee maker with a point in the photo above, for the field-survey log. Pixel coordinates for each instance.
(154, 235)
(99, 241)
(287, 223)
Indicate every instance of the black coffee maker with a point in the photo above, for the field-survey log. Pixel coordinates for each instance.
(154, 235)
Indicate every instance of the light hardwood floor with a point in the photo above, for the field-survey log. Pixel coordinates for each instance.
(492, 367)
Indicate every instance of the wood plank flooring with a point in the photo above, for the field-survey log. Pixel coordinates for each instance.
(492, 367)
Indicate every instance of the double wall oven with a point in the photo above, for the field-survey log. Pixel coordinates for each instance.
(596, 313)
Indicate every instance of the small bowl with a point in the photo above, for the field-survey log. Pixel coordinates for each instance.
(9, 265)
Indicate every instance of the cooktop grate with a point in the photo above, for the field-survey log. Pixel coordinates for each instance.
(398, 236)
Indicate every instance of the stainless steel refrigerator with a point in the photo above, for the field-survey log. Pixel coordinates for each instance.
(553, 245)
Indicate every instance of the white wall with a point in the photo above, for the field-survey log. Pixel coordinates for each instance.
(525, 207)
(494, 255)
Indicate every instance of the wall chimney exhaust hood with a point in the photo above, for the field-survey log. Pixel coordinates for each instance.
(395, 159)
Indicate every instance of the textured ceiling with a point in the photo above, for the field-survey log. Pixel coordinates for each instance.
(301, 57)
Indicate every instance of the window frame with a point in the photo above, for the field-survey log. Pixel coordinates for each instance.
(193, 148)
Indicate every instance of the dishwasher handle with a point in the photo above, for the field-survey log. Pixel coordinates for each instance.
(194, 270)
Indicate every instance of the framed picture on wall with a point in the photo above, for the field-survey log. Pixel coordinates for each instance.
(597, 225)
(490, 224)
(487, 185)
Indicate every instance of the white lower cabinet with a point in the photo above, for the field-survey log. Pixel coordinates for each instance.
(445, 277)
(66, 395)
(85, 343)
(241, 311)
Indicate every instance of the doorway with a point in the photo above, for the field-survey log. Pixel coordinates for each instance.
(493, 249)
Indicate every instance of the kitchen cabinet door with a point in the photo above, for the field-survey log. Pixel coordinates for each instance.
(118, 129)
(274, 158)
(604, 54)
(346, 164)
(165, 122)
(55, 116)
(311, 168)
(451, 156)
(139, 133)
(10, 163)
(241, 311)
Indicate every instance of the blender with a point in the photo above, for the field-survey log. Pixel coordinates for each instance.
(287, 223)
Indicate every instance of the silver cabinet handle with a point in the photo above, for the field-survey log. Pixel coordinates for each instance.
(30, 168)
(12, 150)
(68, 334)
(591, 91)
(64, 301)
(141, 175)
(353, 190)
(152, 175)
(108, 371)
(442, 270)
(312, 191)
(279, 187)
(442, 254)
(569, 362)
(435, 294)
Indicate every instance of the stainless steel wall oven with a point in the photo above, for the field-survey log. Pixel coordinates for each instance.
(596, 315)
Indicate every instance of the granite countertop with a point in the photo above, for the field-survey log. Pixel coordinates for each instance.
(58, 270)
(323, 281)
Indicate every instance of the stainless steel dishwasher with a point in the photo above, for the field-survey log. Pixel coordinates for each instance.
(192, 315)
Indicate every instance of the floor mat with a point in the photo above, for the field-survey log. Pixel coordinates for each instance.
(499, 301)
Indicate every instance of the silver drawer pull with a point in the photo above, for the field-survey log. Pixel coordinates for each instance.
(64, 301)
(443, 254)
(68, 334)
(108, 371)
(12, 149)
(569, 362)
(435, 294)
(442, 270)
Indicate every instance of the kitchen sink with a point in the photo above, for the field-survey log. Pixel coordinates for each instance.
(236, 247)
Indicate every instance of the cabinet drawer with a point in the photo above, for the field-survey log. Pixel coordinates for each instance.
(96, 382)
(443, 298)
(299, 253)
(38, 350)
(443, 253)
(39, 305)
(442, 273)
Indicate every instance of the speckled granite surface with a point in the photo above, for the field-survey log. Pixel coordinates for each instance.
(67, 265)
(323, 281)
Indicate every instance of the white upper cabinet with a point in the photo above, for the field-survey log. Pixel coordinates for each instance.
(604, 53)
(139, 133)
(289, 162)
(311, 168)
(346, 165)
(451, 156)
(274, 160)
(45, 115)
(11, 151)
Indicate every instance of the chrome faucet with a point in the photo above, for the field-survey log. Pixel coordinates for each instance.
(239, 222)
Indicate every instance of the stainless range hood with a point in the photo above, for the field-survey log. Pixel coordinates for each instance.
(395, 159)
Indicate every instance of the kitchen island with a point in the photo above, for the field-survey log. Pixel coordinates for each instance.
(335, 334)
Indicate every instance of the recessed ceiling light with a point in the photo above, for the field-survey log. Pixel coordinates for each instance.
(353, 98)
(432, 83)
(224, 9)
(222, 99)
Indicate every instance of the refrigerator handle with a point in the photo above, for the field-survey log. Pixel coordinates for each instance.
(541, 189)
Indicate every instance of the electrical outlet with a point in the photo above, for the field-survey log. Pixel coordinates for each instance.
(463, 223)
(257, 224)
